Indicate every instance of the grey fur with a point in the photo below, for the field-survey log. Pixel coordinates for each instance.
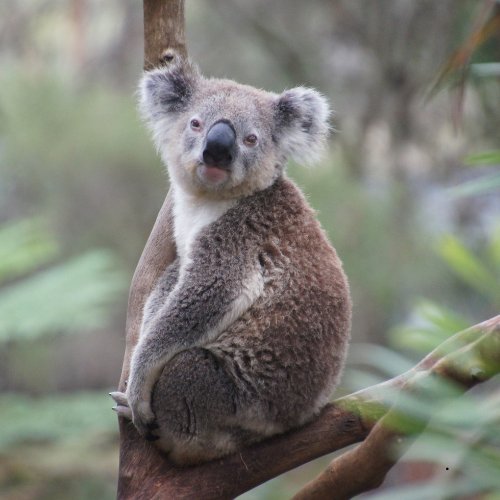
(246, 333)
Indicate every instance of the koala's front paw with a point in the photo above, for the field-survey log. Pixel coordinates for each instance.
(142, 415)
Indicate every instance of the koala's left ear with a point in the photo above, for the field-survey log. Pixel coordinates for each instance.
(302, 123)
(168, 89)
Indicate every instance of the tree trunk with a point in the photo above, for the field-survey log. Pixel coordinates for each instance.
(164, 40)
(164, 32)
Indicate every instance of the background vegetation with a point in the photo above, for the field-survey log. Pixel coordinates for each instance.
(410, 202)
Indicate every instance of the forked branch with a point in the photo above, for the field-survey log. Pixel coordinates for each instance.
(365, 467)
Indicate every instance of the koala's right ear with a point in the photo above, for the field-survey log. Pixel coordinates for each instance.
(166, 90)
(301, 116)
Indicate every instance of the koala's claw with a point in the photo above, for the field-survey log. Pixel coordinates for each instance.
(120, 398)
(122, 409)
(139, 412)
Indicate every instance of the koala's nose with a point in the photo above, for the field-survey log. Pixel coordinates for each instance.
(219, 148)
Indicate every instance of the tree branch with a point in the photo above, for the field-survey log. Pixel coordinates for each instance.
(366, 467)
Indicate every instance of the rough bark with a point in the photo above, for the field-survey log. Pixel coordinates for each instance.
(164, 32)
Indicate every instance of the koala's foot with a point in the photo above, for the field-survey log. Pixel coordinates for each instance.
(143, 417)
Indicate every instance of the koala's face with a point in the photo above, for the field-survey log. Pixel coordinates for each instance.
(225, 140)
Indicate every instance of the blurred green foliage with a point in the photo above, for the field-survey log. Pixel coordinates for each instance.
(81, 157)
(462, 433)
(482, 276)
(58, 447)
(24, 247)
(432, 323)
(481, 184)
(486, 158)
(69, 297)
(52, 436)
(59, 419)
(461, 439)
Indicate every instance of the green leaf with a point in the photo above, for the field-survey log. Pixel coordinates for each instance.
(440, 318)
(467, 266)
(24, 246)
(381, 358)
(474, 187)
(430, 325)
(485, 158)
(494, 248)
(419, 339)
(70, 297)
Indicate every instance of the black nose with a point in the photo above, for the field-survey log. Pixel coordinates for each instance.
(219, 148)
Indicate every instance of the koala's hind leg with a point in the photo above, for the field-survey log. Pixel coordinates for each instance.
(194, 402)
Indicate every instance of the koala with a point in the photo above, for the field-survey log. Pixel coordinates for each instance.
(246, 332)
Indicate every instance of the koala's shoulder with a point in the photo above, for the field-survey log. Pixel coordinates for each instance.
(277, 212)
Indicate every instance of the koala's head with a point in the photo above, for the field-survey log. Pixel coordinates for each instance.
(224, 140)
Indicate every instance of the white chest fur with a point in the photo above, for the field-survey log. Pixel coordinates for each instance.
(191, 215)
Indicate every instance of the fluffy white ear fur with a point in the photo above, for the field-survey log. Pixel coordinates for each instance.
(163, 92)
(302, 123)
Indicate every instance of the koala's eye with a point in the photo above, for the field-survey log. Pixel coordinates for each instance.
(251, 140)
(195, 125)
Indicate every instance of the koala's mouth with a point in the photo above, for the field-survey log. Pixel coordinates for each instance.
(213, 174)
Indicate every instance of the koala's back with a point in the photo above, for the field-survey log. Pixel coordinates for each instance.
(286, 353)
